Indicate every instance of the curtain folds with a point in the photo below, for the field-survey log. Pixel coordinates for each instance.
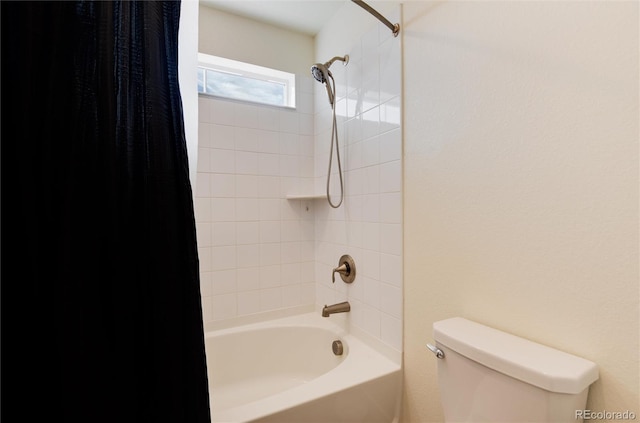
(100, 265)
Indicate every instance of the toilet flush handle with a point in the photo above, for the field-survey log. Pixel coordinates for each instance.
(437, 351)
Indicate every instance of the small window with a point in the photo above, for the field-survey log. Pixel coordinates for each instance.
(227, 78)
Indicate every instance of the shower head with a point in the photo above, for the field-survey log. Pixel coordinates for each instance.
(321, 73)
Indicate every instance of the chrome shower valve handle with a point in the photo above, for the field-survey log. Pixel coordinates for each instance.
(346, 268)
(342, 269)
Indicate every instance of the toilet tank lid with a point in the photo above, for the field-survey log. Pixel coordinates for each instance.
(520, 358)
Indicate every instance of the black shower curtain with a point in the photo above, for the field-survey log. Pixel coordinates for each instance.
(101, 312)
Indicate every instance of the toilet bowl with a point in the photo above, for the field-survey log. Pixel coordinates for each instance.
(486, 375)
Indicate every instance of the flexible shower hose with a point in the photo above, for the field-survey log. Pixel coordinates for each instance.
(334, 135)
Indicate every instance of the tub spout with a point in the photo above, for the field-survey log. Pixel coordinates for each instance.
(336, 308)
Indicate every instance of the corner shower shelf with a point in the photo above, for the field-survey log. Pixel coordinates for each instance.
(306, 196)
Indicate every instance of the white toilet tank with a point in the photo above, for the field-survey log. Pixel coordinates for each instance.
(487, 375)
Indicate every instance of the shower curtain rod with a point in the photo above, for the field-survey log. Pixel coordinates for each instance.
(395, 28)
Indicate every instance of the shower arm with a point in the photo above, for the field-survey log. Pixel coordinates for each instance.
(395, 28)
(344, 59)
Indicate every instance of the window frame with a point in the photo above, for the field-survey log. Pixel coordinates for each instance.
(248, 71)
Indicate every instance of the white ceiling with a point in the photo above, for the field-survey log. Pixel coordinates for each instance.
(306, 16)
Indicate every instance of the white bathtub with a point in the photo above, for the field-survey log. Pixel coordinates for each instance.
(285, 371)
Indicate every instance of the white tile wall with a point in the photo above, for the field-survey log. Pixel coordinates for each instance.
(260, 252)
(255, 247)
(369, 224)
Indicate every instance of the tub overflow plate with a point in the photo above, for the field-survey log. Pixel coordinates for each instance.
(337, 347)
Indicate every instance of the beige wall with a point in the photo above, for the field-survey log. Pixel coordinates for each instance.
(520, 175)
(188, 79)
(521, 183)
(238, 38)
